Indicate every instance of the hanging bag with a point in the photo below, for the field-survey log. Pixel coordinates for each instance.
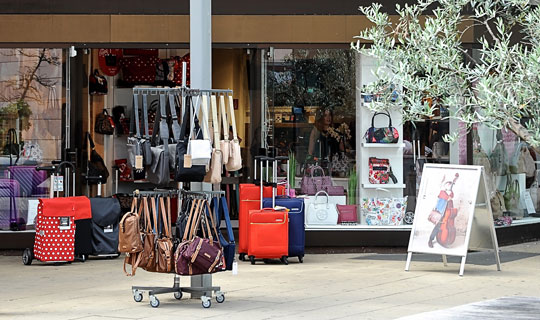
(200, 150)
(148, 258)
(227, 244)
(185, 170)
(135, 145)
(235, 153)
(381, 135)
(511, 195)
(158, 171)
(104, 123)
(499, 157)
(146, 143)
(164, 245)
(214, 174)
(175, 128)
(96, 165)
(225, 146)
(183, 265)
(97, 83)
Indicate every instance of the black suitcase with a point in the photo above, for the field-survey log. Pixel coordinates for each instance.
(105, 217)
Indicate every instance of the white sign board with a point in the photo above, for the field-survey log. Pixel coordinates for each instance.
(452, 205)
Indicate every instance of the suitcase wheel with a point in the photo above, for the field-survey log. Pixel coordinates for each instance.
(284, 260)
(154, 301)
(252, 259)
(137, 296)
(301, 259)
(242, 257)
(28, 256)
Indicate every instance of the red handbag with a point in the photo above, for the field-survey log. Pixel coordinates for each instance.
(380, 171)
(347, 214)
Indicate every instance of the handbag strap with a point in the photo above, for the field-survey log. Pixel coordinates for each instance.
(136, 111)
(210, 214)
(185, 117)
(89, 137)
(192, 220)
(326, 194)
(175, 126)
(215, 122)
(145, 116)
(220, 206)
(224, 120)
(383, 113)
(194, 106)
(148, 219)
(204, 112)
(165, 216)
(233, 120)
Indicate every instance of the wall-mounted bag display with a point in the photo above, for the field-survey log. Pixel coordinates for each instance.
(380, 171)
(104, 123)
(383, 211)
(235, 154)
(97, 83)
(200, 150)
(96, 166)
(381, 135)
(321, 213)
(311, 184)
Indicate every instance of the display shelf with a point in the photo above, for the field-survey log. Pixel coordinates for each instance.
(383, 186)
(383, 145)
(293, 125)
(358, 227)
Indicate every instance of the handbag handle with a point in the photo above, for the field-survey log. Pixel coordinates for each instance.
(233, 120)
(145, 116)
(224, 120)
(135, 121)
(223, 208)
(175, 126)
(215, 122)
(325, 193)
(185, 117)
(165, 216)
(383, 113)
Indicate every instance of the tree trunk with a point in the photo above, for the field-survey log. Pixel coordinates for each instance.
(521, 132)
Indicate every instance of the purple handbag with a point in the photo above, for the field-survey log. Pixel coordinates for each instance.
(335, 190)
(310, 185)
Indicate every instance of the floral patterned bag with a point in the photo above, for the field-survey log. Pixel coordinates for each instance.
(383, 211)
(380, 171)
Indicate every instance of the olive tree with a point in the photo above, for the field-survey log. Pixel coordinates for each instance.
(423, 50)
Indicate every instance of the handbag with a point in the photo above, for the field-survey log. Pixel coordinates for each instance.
(31, 152)
(12, 146)
(104, 123)
(310, 184)
(214, 174)
(164, 244)
(186, 171)
(383, 211)
(523, 161)
(97, 84)
(124, 199)
(175, 128)
(511, 195)
(225, 145)
(158, 171)
(96, 167)
(321, 213)
(381, 135)
(497, 204)
(347, 214)
(148, 258)
(227, 244)
(200, 150)
(136, 159)
(235, 153)
(380, 171)
(335, 190)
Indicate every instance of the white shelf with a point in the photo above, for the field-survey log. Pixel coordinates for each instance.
(383, 186)
(383, 145)
(358, 227)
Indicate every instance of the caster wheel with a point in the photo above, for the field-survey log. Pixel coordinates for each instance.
(206, 303)
(154, 302)
(284, 260)
(27, 257)
(137, 296)
(242, 257)
(220, 298)
(301, 259)
(252, 259)
(409, 217)
(84, 257)
(178, 295)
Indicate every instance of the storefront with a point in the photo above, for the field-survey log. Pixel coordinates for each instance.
(297, 91)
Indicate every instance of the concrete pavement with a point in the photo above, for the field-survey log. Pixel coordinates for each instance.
(325, 286)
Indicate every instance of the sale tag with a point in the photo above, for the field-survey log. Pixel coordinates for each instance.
(187, 161)
(108, 229)
(234, 268)
(138, 162)
(58, 183)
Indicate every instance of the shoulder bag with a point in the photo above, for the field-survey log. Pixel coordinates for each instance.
(380, 171)
(175, 128)
(225, 143)
(216, 164)
(183, 265)
(135, 147)
(381, 135)
(185, 170)
(97, 83)
(130, 238)
(499, 158)
(311, 184)
(96, 165)
(148, 256)
(321, 213)
(227, 244)
(235, 153)
(200, 150)
(164, 244)
(158, 171)
(511, 195)
(104, 123)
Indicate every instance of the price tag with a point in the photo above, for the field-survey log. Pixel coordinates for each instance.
(64, 223)
(58, 183)
(108, 229)
(138, 162)
(234, 268)
(187, 161)
(529, 205)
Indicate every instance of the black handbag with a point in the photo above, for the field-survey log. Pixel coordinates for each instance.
(12, 146)
(104, 123)
(227, 244)
(105, 217)
(97, 83)
(96, 165)
(381, 135)
(194, 173)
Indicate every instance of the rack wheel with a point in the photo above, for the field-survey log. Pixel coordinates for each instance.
(206, 302)
(252, 259)
(301, 259)
(178, 295)
(409, 217)
(242, 257)
(284, 260)
(154, 301)
(27, 257)
(137, 296)
(220, 297)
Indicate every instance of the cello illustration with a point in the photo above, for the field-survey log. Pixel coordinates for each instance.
(445, 230)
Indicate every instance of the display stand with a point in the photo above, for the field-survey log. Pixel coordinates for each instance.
(466, 222)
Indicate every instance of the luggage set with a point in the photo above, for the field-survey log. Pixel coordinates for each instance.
(274, 230)
(73, 226)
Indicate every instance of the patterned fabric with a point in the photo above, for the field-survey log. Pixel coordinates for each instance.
(383, 211)
(54, 242)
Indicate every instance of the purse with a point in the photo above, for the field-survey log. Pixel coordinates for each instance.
(104, 123)
(96, 167)
(97, 83)
(511, 196)
(136, 159)
(148, 258)
(381, 135)
(214, 174)
(310, 184)
(164, 244)
(347, 214)
(200, 150)
(227, 244)
(235, 154)
(335, 190)
(225, 145)
(321, 213)
(383, 211)
(12, 146)
(158, 172)
(185, 171)
(497, 204)
(380, 171)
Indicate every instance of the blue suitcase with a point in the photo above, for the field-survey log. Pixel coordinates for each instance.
(297, 231)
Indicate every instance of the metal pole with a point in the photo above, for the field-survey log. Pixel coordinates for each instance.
(200, 49)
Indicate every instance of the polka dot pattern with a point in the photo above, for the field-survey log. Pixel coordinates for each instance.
(51, 242)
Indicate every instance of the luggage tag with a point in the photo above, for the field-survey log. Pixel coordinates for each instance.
(187, 161)
(64, 223)
(235, 268)
(108, 229)
(138, 162)
(58, 183)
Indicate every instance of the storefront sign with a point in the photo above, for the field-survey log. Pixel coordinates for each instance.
(453, 213)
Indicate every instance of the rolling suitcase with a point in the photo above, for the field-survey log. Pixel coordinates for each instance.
(268, 231)
(105, 219)
(297, 231)
(250, 199)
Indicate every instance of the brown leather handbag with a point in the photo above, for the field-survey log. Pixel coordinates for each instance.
(129, 237)
(164, 245)
(148, 257)
(183, 266)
